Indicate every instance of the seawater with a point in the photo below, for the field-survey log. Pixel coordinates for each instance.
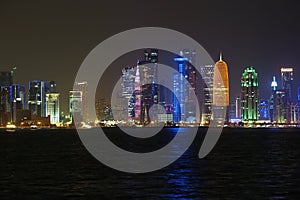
(245, 164)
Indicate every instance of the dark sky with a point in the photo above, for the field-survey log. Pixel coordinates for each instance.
(49, 39)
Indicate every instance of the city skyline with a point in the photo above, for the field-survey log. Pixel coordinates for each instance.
(52, 47)
(286, 84)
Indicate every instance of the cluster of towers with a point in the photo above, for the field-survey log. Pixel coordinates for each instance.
(191, 85)
(41, 106)
(280, 108)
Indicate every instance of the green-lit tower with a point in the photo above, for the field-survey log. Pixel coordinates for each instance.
(249, 95)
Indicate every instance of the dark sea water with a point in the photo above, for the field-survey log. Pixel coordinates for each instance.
(245, 164)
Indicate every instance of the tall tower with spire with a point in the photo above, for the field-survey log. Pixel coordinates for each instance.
(220, 91)
(137, 94)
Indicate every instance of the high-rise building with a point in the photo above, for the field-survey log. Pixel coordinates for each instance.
(294, 113)
(271, 102)
(190, 55)
(52, 107)
(179, 90)
(17, 100)
(100, 106)
(75, 104)
(184, 87)
(137, 97)
(263, 110)
(37, 97)
(37, 91)
(238, 108)
(190, 86)
(207, 73)
(249, 95)
(287, 82)
(5, 106)
(220, 91)
(148, 83)
(128, 77)
(287, 86)
(83, 87)
(279, 109)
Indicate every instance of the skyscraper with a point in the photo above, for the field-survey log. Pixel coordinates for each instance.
(5, 106)
(279, 109)
(220, 91)
(238, 108)
(83, 87)
(148, 80)
(179, 89)
(249, 95)
(263, 109)
(287, 82)
(52, 107)
(128, 77)
(207, 73)
(75, 105)
(137, 96)
(271, 102)
(287, 85)
(184, 87)
(37, 97)
(17, 100)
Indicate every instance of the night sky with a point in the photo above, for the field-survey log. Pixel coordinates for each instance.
(48, 40)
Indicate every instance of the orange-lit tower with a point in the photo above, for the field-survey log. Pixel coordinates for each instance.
(220, 91)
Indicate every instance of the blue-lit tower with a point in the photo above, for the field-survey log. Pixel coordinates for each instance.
(179, 90)
(271, 106)
(263, 110)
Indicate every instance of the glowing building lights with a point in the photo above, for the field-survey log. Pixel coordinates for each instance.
(274, 84)
(249, 95)
(220, 91)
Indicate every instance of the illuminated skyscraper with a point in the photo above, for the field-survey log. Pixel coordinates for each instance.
(128, 80)
(148, 80)
(287, 82)
(207, 73)
(287, 86)
(52, 107)
(279, 109)
(249, 95)
(179, 89)
(190, 76)
(83, 87)
(137, 95)
(75, 104)
(37, 97)
(17, 100)
(184, 87)
(238, 108)
(263, 108)
(271, 106)
(220, 91)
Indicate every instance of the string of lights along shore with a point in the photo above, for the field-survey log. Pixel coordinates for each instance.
(144, 102)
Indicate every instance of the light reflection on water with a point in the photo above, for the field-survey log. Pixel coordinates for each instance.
(245, 164)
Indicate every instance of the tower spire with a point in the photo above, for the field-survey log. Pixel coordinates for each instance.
(221, 56)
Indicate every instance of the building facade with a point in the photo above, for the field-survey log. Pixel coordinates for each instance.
(220, 92)
(52, 107)
(249, 95)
